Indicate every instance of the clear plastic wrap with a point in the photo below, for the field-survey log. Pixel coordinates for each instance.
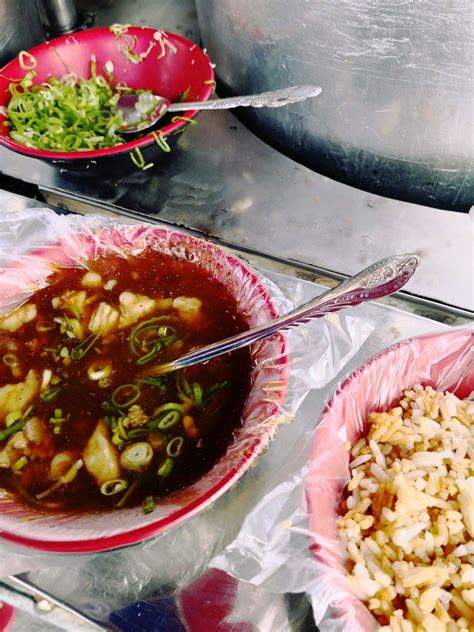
(295, 524)
(29, 241)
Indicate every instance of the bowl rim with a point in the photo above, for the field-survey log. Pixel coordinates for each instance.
(126, 147)
(258, 444)
(349, 379)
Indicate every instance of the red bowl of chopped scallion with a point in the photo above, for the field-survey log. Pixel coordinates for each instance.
(58, 101)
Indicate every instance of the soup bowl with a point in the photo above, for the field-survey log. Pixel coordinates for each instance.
(169, 65)
(76, 532)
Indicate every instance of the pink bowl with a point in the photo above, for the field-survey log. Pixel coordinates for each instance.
(7, 616)
(90, 532)
(173, 66)
(444, 361)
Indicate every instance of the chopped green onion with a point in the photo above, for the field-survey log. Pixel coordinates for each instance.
(26, 60)
(68, 477)
(50, 394)
(218, 386)
(166, 416)
(105, 382)
(146, 340)
(119, 434)
(121, 429)
(197, 394)
(67, 114)
(125, 395)
(186, 119)
(157, 382)
(12, 417)
(184, 95)
(98, 370)
(161, 141)
(4, 434)
(74, 311)
(137, 158)
(138, 432)
(27, 413)
(168, 406)
(148, 504)
(211, 82)
(80, 351)
(174, 447)
(57, 420)
(165, 469)
(128, 493)
(20, 464)
(185, 391)
(137, 456)
(168, 420)
(44, 326)
(10, 359)
(115, 486)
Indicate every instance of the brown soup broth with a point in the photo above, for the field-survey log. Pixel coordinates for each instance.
(209, 400)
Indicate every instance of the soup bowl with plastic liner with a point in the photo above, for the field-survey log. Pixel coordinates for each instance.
(77, 532)
(141, 58)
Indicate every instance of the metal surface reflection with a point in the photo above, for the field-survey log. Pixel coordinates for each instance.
(396, 114)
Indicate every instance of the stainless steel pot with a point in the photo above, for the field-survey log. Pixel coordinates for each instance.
(396, 113)
(20, 27)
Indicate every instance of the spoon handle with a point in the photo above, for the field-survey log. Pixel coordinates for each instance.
(380, 279)
(274, 99)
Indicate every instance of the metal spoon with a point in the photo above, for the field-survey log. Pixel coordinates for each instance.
(380, 279)
(141, 111)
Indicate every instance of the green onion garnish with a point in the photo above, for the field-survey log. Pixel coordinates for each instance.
(125, 395)
(67, 114)
(44, 326)
(186, 119)
(157, 382)
(115, 486)
(161, 141)
(11, 418)
(185, 391)
(174, 447)
(165, 469)
(20, 464)
(10, 359)
(74, 311)
(209, 392)
(148, 505)
(57, 420)
(4, 434)
(50, 394)
(149, 337)
(138, 432)
(80, 351)
(168, 420)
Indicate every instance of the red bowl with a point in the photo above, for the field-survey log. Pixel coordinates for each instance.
(173, 66)
(98, 531)
(7, 616)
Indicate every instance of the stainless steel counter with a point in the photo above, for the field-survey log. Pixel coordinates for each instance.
(224, 182)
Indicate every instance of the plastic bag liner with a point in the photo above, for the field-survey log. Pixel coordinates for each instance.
(289, 542)
(29, 241)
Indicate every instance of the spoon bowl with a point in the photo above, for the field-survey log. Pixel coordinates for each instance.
(142, 110)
